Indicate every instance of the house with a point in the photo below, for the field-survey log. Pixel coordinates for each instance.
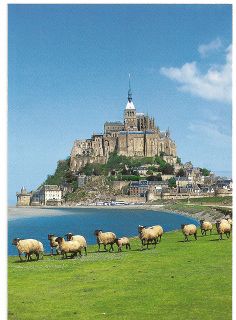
(226, 184)
(138, 188)
(47, 195)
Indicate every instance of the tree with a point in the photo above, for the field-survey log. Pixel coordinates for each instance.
(172, 183)
(155, 178)
(166, 168)
(205, 172)
(178, 160)
(180, 173)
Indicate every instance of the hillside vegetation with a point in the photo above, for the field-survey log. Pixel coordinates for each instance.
(175, 281)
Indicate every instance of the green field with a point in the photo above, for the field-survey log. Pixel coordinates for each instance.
(176, 280)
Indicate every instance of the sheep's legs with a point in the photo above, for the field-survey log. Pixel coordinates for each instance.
(228, 235)
(195, 236)
(85, 250)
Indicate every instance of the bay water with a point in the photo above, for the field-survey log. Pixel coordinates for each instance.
(84, 221)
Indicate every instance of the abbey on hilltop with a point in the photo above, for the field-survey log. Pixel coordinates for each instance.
(136, 136)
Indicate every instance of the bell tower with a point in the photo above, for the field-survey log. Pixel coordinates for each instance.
(130, 118)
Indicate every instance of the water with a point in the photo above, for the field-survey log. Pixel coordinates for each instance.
(84, 221)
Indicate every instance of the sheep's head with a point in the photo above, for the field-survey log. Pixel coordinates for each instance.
(59, 239)
(201, 221)
(217, 223)
(15, 241)
(50, 235)
(69, 236)
(183, 225)
(140, 228)
(97, 232)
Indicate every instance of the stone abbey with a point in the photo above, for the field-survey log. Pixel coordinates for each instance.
(136, 136)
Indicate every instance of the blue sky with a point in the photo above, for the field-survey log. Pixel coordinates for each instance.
(68, 73)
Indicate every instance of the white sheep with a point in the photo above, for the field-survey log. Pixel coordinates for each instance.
(148, 235)
(230, 221)
(28, 247)
(53, 243)
(72, 247)
(124, 241)
(105, 238)
(159, 231)
(223, 227)
(188, 230)
(205, 226)
(81, 239)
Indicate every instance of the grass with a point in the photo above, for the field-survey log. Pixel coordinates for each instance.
(176, 280)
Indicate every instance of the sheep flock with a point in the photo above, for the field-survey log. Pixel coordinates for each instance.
(74, 244)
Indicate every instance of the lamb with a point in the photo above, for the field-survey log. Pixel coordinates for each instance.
(124, 241)
(188, 230)
(147, 235)
(205, 226)
(72, 247)
(53, 243)
(223, 227)
(105, 238)
(29, 247)
(81, 239)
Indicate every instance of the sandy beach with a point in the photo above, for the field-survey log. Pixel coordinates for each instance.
(45, 211)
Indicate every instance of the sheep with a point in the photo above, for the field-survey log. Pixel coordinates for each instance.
(147, 235)
(29, 247)
(105, 238)
(124, 241)
(81, 239)
(53, 243)
(230, 221)
(72, 247)
(205, 226)
(188, 230)
(223, 227)
(157, 229)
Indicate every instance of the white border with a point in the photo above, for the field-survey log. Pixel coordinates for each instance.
(3, 127)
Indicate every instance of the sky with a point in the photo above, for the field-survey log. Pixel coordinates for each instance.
(68, 69)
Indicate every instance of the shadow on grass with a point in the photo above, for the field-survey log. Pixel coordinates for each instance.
(217, 239)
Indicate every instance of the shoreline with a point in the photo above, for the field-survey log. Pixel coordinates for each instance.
(13, 212)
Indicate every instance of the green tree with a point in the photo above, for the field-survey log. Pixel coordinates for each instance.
(172, 183)
(166, 168)
(178, 160)
(180, 173)
(155, 178)
(205, 172)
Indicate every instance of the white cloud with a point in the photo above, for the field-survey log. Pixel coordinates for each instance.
(211, 132)
(205, 49)
(215, 84)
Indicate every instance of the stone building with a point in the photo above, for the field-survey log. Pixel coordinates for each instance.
(136, 136)
(23, 197)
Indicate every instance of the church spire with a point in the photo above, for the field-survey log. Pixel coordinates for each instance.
(129, 91)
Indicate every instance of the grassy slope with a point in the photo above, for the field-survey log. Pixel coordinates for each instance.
(176, 280)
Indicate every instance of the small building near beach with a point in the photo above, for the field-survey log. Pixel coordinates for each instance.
(23, 197)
